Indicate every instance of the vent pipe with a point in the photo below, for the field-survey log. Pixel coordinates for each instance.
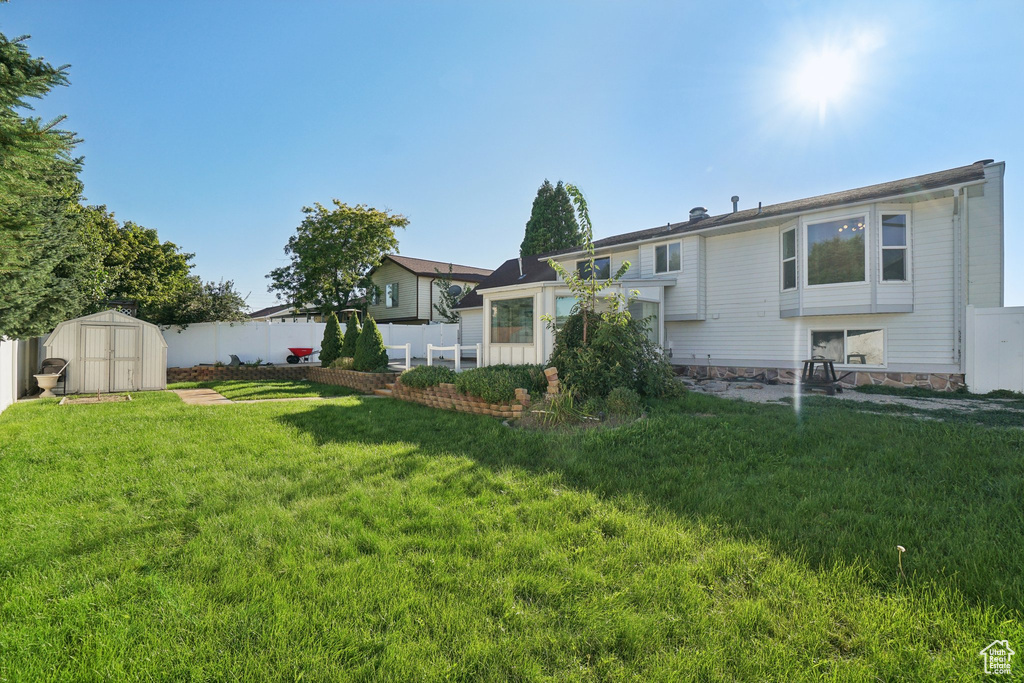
(520, 266)
(735, 203)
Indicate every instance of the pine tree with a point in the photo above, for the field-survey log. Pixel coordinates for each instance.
(552, 225)
(330, 348)
(348, 345)
(371, 356)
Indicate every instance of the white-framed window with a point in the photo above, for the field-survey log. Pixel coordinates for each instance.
(668, 258)
(512, 321)
(860, 346)
(646, 313)
(563, 309)
(895, 245)
(789, 259)
(391, 295)
(602, 268)
(836, 250)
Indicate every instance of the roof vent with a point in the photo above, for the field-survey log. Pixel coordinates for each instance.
(697, 213)
(735, 203)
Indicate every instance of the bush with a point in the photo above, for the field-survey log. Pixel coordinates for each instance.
(343, 363)
(330, 347)
(428, 376)
(624, 402)
(616, 355)
(498, 383)
(371, 356)
(348, 343)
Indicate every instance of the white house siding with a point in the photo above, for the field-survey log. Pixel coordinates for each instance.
(471, 326)
(743, 325)
(985, 241)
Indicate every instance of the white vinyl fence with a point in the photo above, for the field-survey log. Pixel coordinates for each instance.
(19, 360)
(207, 343)
(995, 349)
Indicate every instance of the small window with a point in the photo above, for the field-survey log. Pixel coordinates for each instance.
(602, 268)
(563, 309)
(668, 258)
(850, 347)
(391, 295)
(789, 259)
(894, 247)
(512, 321)
(835, 251)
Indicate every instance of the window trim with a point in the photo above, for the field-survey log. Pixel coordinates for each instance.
(806, 221)
(783, 260)
(490, 321)
(908, 212)
(667, 246)
(845, 329)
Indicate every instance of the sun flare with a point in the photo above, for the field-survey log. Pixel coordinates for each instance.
(825, 77)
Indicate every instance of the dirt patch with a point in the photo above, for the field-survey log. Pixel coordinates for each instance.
(106, 398)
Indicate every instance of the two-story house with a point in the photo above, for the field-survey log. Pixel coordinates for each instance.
(876, 278)
(407, 288)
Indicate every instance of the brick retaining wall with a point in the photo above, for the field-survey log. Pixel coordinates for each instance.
(206, 373)
(938, 381)
(445, 396)
(364, 382)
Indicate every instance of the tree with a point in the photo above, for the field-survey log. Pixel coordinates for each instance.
(348, 345)
(552, 225)
(447, 301)
(371, 356)
(331, 253)
(42, 260)
(330, 347)
(201, 302)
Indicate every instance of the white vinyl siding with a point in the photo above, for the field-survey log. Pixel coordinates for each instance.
(471, 328)
(985, 240)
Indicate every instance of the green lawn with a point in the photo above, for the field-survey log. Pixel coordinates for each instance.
(248, 390)
(378, 540)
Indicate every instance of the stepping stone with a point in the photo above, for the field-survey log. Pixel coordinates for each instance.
(201, 397)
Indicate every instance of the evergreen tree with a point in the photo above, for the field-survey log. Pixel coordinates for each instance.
(348, 345)
(371, 356)
(330, 347)
(552, 225)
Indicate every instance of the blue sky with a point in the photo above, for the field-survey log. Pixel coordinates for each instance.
(215, 122)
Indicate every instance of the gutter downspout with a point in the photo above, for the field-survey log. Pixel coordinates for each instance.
(959, 194)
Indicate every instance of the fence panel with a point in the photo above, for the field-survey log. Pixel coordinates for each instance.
(995, 349)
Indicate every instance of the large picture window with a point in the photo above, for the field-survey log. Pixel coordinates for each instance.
(894, 247)
(835, 251)
(668, 258)
(789, 259)
(512, 321)
(850, 347)
(602, 268)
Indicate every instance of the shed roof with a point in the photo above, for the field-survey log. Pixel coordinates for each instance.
(108, 316)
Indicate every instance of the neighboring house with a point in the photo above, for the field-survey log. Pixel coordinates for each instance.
(286, 313)
(408, 288)
(877, 279)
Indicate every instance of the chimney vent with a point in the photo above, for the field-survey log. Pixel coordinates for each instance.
(735, 203)
(697, 213)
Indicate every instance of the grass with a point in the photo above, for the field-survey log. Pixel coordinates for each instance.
(923, 392)
(254, 390)
(378, 540)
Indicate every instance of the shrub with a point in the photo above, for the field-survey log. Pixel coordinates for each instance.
(371, 356)
(428, 376)
(616, 355)
(498, 383)
(594, 407)
(330, 347)
(624, 402)
(348, 343)
(343, 363)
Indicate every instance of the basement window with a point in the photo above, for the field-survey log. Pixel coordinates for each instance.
(850, 347)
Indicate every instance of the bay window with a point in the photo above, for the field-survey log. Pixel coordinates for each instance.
(836, 251)
(850, 347)
(512, 321)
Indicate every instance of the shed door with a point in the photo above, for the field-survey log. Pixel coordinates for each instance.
(95, 352)
(124, 358)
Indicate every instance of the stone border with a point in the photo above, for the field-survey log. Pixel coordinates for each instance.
(364, 382)
(206, 373)
(445, 396)
(903, 380)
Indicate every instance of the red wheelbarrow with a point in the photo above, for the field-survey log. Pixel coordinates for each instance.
(299, 354)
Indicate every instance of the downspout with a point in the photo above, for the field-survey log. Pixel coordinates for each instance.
(958, 274)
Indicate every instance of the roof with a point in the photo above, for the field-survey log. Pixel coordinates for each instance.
(270, 310)
(929, 181)
(429, 268)
(534, 270)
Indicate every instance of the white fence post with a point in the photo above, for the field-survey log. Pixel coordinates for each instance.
(458, 358)
(408, 355)
(430, 355)
(479, 352)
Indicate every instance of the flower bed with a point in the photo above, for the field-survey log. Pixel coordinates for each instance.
(448, 397)
(364, 382)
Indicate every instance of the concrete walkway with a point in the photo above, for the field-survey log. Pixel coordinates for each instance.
(201, 397)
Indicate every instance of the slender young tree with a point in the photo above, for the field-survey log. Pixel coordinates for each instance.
(552, 225)
(447, 301)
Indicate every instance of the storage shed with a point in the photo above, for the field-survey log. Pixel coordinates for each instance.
(110, 351)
